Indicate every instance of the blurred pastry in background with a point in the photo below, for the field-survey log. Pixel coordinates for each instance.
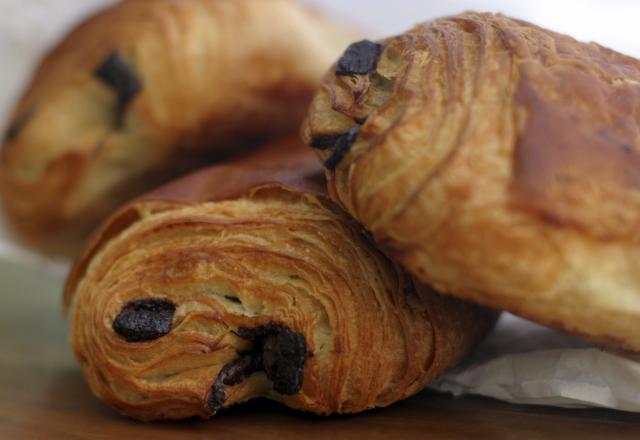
(244, 280)
(498, 162)
(149, 89)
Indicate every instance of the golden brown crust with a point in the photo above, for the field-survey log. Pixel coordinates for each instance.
(147, 89)
(499, 162)
(264, 253)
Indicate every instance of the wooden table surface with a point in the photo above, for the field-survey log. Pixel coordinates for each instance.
(43, 396)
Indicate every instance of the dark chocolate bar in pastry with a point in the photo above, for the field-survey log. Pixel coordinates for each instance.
(148, 89)
(244, 280)
(497, 161)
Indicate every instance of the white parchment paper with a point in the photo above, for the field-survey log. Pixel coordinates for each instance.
(520, 362)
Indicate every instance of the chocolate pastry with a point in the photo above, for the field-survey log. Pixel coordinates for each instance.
(498, 162)
(147, 90)
(277, 292)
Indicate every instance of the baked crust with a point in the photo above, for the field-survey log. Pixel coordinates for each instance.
(255, 244)
(499, 162)
(148, 89)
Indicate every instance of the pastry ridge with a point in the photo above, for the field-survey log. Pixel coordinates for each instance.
(498, 162)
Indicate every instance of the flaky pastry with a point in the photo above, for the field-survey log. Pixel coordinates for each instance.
(498, 162)
(245, 280)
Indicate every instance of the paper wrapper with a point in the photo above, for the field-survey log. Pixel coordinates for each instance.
(520, 362)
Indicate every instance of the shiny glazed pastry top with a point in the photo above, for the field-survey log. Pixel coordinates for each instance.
(148, 89)
(245, 280)
(499, 162)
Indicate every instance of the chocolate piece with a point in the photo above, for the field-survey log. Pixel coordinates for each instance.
(281, 353)
(239, 369)
(283, 356)
(342, 147)
(325, 142)
(144, 320)
(119, 75)
(359, 58)
(276, 350)
(231, 374)
(18, 124)
(216, 398)
(255, 332)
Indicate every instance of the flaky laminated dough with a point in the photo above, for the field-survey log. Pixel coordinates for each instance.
(499, 162)
(244, 280)
(148, 89)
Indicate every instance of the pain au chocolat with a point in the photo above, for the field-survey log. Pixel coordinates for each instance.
(148, 89)
(498, 162)
(244, 280)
